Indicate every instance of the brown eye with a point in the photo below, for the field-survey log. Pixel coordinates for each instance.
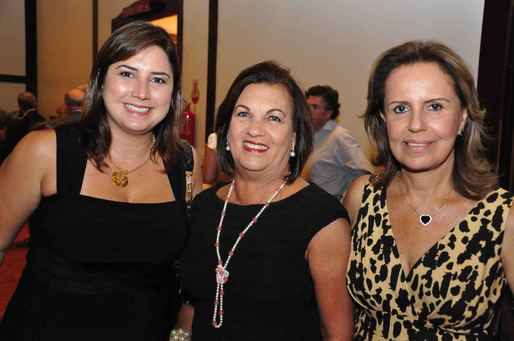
(242, 114)
(126, 74)
(274, 118)
(435, 107)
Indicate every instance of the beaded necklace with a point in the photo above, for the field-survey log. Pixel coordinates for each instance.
(221, 269)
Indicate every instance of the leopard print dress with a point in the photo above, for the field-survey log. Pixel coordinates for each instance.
(449, 294)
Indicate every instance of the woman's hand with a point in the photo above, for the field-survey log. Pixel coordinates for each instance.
(185, 317)
(26, 175)
(328, 254)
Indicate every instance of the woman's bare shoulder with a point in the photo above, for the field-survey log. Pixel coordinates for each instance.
(353, 197)
(35, 153)
(38, 144)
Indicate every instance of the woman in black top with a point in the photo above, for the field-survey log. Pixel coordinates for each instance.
(273, 267)
(105, 199)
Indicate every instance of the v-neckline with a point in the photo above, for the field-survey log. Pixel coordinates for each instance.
(407, 275)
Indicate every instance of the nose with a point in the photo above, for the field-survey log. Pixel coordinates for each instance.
(255, 128)
(416, 121)
(141, 90)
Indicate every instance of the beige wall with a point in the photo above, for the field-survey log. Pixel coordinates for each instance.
(194, 61)
(335, 42)
(108, 10)
(331, 44)
(12, 56)
(64, 49)
(9, 94)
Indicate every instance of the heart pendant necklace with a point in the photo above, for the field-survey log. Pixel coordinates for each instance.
(424, 218)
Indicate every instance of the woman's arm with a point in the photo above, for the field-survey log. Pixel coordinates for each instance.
(328, 254)
(26, 175)
(507, 247)
(210, 166)
(197, 174)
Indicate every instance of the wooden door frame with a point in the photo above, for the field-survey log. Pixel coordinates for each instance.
(496, 85)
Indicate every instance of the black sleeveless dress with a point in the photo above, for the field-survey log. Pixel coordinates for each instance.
(270, 292)
(97, 269)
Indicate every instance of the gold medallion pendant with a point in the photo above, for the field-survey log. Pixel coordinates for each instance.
(119, 178)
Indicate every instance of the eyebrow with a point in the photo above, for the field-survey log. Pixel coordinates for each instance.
(158, 73)
(267, 112)
(427, 101)
(437, 99)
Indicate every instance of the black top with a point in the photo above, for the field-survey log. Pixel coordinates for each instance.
(270, 292)
(97, 269)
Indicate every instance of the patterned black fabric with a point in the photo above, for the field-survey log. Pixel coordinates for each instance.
(449, 294)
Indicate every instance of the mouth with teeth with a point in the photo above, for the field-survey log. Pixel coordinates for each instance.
(137, 109)
(417, 146)
(254, 147)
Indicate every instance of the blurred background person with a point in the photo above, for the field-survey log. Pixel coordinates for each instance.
(277, 269)
(211, 172)
(105, 197)
(61, 111)
(74, 100)
(28, 117)
(337, 158)
(4, 118)
(432, 234)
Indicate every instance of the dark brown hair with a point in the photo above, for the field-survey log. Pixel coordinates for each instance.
(472, 174)
(269, 73)
(121, 45)
(330, 97)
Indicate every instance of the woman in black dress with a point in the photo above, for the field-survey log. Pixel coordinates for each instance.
(105, 198)
(267, 254)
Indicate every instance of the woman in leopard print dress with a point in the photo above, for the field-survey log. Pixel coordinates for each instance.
(432, 234)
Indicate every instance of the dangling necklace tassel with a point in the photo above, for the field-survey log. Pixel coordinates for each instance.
(221, 271)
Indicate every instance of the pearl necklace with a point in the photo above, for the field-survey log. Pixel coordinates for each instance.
(221, 269)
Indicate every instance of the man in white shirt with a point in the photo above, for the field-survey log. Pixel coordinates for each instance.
(337, 158)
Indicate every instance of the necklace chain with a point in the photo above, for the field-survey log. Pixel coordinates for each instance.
(424, 218)
(119, 177)
(221, 269)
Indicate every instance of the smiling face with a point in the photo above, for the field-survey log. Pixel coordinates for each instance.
(137, 91)
(423, 116)
(261, 130)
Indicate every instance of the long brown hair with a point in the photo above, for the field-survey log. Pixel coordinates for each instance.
(472, 174)
(121, 45)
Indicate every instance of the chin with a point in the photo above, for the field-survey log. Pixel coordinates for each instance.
(419, 168)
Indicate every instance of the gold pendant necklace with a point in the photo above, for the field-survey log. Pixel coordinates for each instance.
(119, 177)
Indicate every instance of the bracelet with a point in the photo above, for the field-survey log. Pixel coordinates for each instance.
(179, 335)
